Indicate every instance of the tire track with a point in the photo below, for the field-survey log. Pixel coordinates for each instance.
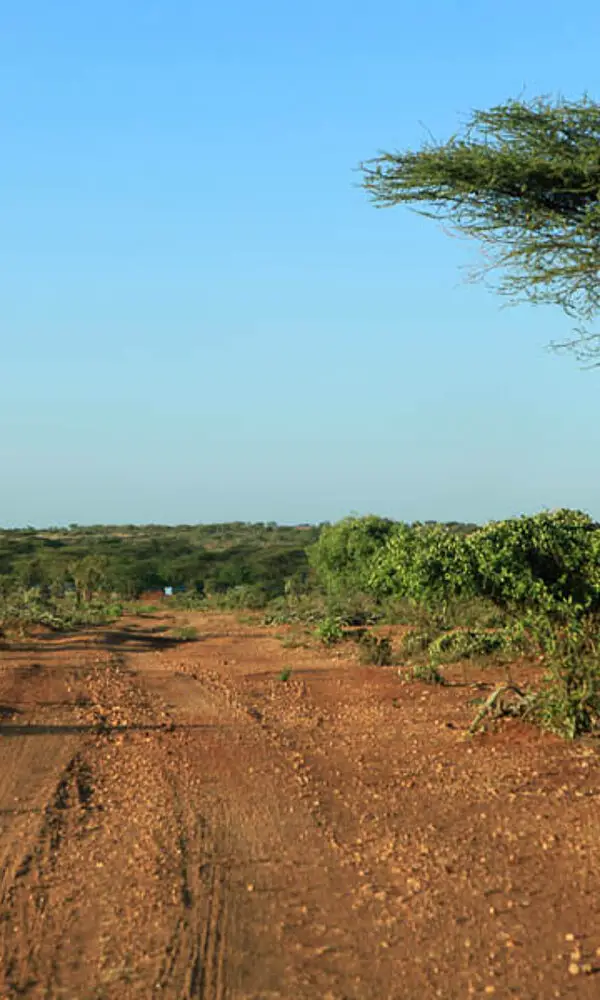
(195, 968)
(24, 898)
(207, 975)
(179, 857)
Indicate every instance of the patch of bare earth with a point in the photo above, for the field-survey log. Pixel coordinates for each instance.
(178, 821)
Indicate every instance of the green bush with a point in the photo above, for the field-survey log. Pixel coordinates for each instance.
(545, 562)
(429, 565)
(329, 631)
(376, 650)
(549, 562)
(23, 608)
(247, 597)
(185, 633)
(307, 610)
(427, 673)
(474, 612)
(343, 554)
(466, 644)
(417, 642)
(191, 601)
(568, 701)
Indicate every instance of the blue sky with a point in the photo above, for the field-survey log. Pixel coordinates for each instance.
(203, 318)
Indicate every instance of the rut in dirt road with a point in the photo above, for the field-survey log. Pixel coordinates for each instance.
(175, 860)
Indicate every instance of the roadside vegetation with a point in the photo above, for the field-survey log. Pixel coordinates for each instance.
(524, 589)
(66, 578)
(528, 587)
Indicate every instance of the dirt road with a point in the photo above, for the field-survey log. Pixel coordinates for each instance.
(178, 821)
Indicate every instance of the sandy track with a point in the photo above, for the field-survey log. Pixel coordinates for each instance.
(170, 854)
(178, 822)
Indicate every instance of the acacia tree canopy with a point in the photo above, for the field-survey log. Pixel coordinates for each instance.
(524, 179)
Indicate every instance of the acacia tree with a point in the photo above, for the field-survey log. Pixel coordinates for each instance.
(89, 574)
(524, 179)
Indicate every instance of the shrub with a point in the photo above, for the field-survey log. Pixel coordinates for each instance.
(417, 642)
(343, 554)
(429, 565)
(545, 562)
(244, 596)
(427, 673)
(192, 601)
(185, 633)
(474, 612)
(329, 631)
(376, 649)
(306, 610)
(24, 608)
(568, 702)
(465, 644)
(548, 562)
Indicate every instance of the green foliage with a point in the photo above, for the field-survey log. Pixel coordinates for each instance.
(185, 633)
(293, 642)
(437, 643)
(285, 674)
(376, 650)
(548, 562)
(246, 596)
(313, 607)
(467, 612)
(132, 561)
(476, 612)
(452, 645)
(429, 565)
(329, 631)
(568, 702)
(188, 602)
(467, 644)
(520, 585)
(89, 575)
(341, 558)
(524, 179)
(307, 611)
(417, 642)
(24, 608)
(427, 673)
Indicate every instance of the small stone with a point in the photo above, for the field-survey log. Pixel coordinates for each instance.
(574, 969)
